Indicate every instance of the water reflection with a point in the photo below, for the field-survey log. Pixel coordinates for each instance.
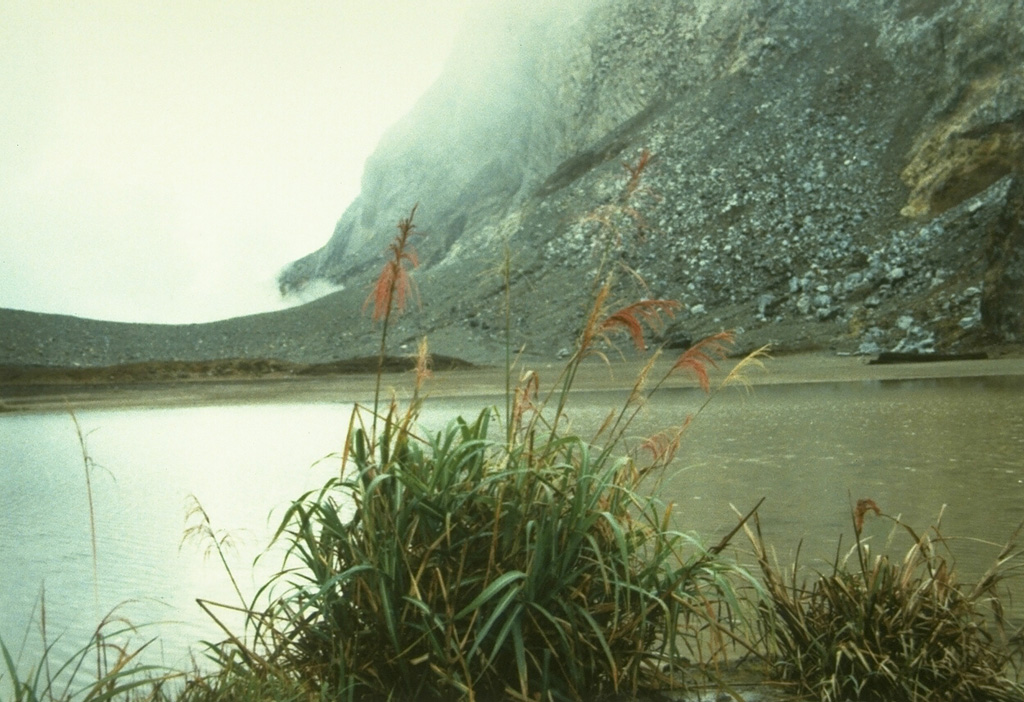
(241, 463)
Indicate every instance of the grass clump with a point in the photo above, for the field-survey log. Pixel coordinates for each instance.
(882, 628)
(526, 562)
(449, 567)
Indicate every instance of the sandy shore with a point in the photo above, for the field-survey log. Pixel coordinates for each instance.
(348, 388)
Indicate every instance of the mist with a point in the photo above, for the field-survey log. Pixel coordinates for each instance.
(163, 162)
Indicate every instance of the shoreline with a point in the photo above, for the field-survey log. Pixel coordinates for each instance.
(349, 387)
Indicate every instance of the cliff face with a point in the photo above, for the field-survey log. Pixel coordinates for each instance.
(841, 168)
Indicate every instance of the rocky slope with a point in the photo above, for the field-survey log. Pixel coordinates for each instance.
(843, 175)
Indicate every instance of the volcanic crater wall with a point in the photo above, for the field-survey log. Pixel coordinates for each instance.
(836, 173)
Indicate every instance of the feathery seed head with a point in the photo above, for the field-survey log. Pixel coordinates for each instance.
(394, 285)
(706, 352)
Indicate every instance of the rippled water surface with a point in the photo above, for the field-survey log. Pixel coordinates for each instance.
(811, 450)
(912, 446)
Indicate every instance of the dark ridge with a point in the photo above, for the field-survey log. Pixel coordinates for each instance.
(219, 369)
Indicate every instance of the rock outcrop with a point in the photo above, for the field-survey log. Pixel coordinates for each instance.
(1002, 305)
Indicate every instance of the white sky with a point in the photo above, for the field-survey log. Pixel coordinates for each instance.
(162, 160)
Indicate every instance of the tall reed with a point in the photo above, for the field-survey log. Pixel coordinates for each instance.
(88, 465)
(390, 294)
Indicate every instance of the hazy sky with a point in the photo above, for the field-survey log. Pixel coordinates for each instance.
(162, 160)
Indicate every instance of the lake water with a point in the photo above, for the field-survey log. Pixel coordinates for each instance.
(912, 446)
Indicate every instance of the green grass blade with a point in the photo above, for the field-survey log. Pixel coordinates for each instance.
(496, 614)
(490, 591)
